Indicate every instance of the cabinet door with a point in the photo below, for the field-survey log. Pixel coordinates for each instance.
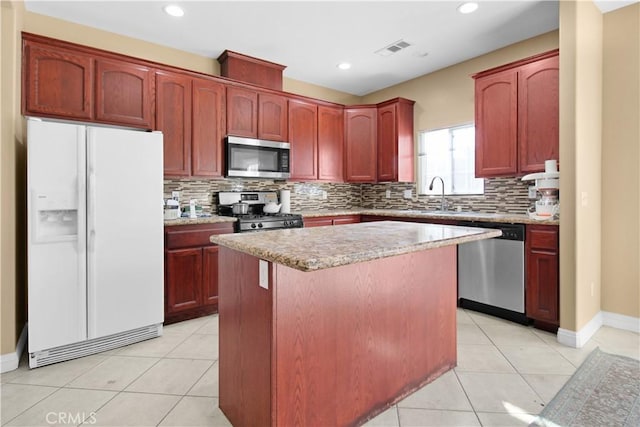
(173, 118)
(272, 117)
(387, 144)
(330, 143)
(317, 222)
(57, 82)
(303, 136)
(123, 93)
(208, 126)
(496, 124)
(542, 276)
(210, 275)
(538, 114)
(183, 279)
(347, 219)
(360, 144)
(242, 112)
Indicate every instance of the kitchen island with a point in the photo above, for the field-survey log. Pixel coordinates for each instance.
(332, 325)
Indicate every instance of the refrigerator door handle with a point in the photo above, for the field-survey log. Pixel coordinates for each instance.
(81, 241)
(91, 234)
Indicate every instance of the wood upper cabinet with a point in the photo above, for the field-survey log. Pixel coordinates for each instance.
(395, 141)
(496, 115)
(208, 127)
(542, 273)
(190, 113)
(538, 113)
(57, 82)
(242, 112)
(516, 116)
(330, 143)
(303, 137)
(272, 117)
(360, 144)
(124, 93)
(173, 118)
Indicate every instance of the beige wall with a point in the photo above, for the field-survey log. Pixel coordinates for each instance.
(580, 139)
(12, 179)
(621, 162)
(446, 97)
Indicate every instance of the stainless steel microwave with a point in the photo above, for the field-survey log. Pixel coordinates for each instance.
(256, 158)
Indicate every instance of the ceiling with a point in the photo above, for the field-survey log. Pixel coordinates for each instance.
(312, 37)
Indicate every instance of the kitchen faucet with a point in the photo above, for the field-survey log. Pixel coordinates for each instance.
(443, 202)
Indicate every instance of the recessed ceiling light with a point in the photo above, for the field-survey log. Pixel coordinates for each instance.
(468, 7)
(174, 10)
(344, 65)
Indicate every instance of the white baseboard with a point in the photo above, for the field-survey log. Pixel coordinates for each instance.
(621, 321)
(10, 361)
(602, 318)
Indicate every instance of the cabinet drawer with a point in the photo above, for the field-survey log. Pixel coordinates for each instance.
(185, 236)
(543, 237)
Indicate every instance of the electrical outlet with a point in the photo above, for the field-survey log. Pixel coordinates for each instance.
(324, 195)
(585, 199)
(406, 194)
(532, 192)
(387, 194)
(175, 195)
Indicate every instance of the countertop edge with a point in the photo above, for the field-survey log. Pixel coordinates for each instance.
(314, 264)
(402, 213)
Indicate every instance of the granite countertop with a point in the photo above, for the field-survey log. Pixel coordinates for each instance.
(200, 220)
(310, 249)
(409, 213)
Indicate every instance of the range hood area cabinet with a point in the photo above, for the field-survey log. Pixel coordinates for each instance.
(517, 116)
(67, 81)
(191, 115)
(255, 114)
(379, 143)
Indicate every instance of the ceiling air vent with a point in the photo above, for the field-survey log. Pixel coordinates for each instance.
(393, 48)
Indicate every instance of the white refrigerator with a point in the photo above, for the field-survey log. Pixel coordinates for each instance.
(95, 239)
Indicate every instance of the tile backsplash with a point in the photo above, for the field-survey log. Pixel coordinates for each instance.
(505, 195)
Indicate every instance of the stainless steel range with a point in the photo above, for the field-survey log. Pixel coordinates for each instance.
(255, 219)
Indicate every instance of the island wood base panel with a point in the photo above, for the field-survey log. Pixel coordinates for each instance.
(333, 347)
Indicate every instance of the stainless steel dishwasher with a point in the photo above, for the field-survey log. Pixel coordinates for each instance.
(491, 272)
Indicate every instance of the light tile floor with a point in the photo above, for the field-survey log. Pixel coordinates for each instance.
(506, 373)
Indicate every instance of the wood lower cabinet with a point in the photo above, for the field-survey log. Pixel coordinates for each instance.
(360, 144)
(124, 93)
(191, 270)
(516, 116)
(331, 220)
(57, 82)
(542, 275)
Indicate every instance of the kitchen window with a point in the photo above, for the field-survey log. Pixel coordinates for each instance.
(450, 154)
